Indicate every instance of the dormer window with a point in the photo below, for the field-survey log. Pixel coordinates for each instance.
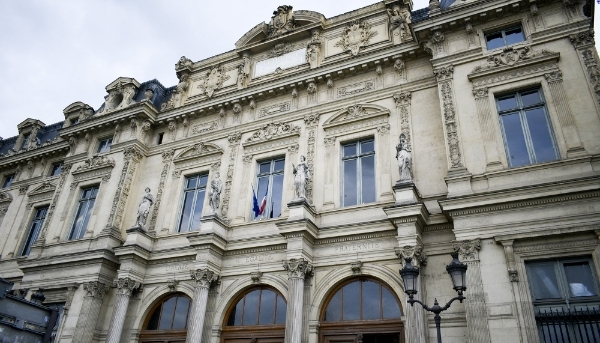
(74, 120)
(104, 145)
(56, 169)
(506, 37)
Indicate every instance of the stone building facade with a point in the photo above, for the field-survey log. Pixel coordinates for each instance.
(273, 194)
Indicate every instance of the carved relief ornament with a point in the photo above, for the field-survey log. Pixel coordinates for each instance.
(126, 286)
(212, 81)
(204, 278)
(95, 289)
(356, 35)
(298, 268)
(281, 22)
(468, 250)
(272, 130)
(511, 56)
(415, 252)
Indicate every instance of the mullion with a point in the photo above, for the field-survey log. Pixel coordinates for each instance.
(528, 140)
(174, 312)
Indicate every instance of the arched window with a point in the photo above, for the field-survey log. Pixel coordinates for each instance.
(362, 300)
(256, 315)
(261, 306)
(168, 320)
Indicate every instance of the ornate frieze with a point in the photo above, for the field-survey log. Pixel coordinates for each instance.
(95, 289)
(204, 278)
(205, 127)
(467, 250)
(167, 158)
(212, 81)
(298, 268)
(511, 56)
(272, 131)
(355, 88)
(274, 109)
(126, 286)
(132, 156)
(356, 35)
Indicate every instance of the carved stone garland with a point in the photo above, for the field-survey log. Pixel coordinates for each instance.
(444, 78)
(311, 121)
(167, 157)
(66, 168)
(132, 157)
(234, 141)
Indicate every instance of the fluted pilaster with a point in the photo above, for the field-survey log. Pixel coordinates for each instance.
(204, 280)
(90, 309)
(298, 270)
(125, 287)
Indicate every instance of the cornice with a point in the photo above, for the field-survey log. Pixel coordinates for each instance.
(359, 237)
(37, 153)
(70, 260)
(254, 250)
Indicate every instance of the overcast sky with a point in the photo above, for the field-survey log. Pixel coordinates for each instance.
(53, 53)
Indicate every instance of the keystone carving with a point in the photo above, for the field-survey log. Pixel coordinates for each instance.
(356, 267)
(356, 35)
(172, 284)
(255, 276)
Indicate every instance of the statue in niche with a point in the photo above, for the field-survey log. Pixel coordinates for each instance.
(404, 157)
(144, 209)
(214, 194)
(302, 174)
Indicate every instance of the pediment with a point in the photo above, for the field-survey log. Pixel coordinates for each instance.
(122, 81)
(354, 113)
(198, 150)
(512, 57)
(77, 107)
(30, 122)
(46, 187)
(94, 167)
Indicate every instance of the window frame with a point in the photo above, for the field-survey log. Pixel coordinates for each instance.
(359, 158)
(521, 109)
(29, 241)
(502, 31)
(195, 199)
(270, 175)
(158, 305)
(241, 297)
(53, 166)
(98, 149)
(5, 180)
(77, 207)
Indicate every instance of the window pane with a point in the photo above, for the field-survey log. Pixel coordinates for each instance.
(543, 281)
(267, 307)
(168, 309)
(350, 183)
(191, 182)
(203, 180)
(186, 211)
(351, 306)
(31, 237)
(370, 300)
(197, 210)
(515, 141)
(350, 150)
(507, 103)
(181, 312)
(251, 308)
(540, 135)
(276, 196)
(261, 193)
(494, 40)
(514, 36)
(153, 322)
(279, 165)
(281, 310)
(88, 214)
(334, 309)
(532, 98)
(235, 317)
(56, 169)
(368, 179)
(366, 147)
(391, 309)
(579, 277)
(264, 168)
(78, 222)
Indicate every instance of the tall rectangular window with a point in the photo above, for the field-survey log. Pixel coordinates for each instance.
(192, 203)
(526, 128)
(104, 145)
(358, 172)
(8, 180)
(34, 229)
(504, 37)
(84, 212)
(56, 169)
(269, 189)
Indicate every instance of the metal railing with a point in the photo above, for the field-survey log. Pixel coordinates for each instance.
(569, 326)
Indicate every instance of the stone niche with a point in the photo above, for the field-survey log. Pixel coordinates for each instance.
(121, 93)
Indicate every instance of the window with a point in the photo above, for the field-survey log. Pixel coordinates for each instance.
(268, 197)
(56, 169)
(358, 168)
(160, 138)
(193, 201)
(84, 212)
(171, 314)
(104, 145)
(25, 141)
(74, 120)
(34, 229)
(8, 180)
(261, 306)
(526, 129)
(505, 37)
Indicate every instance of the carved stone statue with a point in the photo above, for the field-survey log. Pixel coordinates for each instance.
(399, 19)
(214, 194)
(404, 157)
(302, 174)
(282, 21)
(144, 209)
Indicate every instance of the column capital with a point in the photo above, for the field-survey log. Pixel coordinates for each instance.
(204, 278)
(95, 289)
(402, 98)
(126, 286)
(444, 73)
(468, 250)
(582, 39)
(298, 268)
(555, 76)
(480, 93)
(412, 251)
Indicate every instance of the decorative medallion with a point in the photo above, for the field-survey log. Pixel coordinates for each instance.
(355, 36)
(213, 81)
(281, 22)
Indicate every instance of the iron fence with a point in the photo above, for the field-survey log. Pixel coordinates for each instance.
(569, 326)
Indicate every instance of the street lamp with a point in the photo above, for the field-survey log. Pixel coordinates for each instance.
(457, 271)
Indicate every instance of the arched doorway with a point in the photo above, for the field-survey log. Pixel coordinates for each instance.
(361, 311)
(168, 320)
(257, 316)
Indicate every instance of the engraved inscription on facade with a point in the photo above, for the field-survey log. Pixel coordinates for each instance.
(355, 88)
(178, 267)
(205, 127)
(285, 61)
(274, 109)
(357, 247)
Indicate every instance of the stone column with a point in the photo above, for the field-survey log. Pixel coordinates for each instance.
(125, 287)
(416, 317)
(565, 116)
(90, 309)
(298, 270)
(477, 322)
(486, 121)
(204, 278)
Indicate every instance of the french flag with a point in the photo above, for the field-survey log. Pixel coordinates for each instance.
(259, 210)
(263, 203)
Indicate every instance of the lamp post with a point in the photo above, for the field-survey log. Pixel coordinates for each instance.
(458, 273)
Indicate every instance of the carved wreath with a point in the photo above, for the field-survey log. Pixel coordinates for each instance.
(356, 35)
